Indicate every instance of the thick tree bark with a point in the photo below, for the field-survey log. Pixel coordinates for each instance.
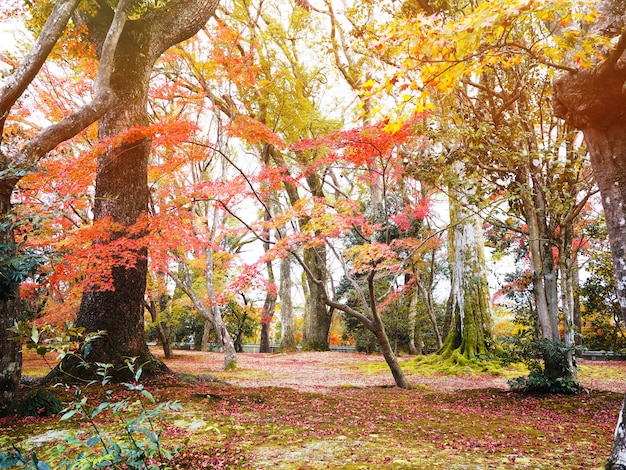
(22, 162)
(471, 328)
(121, 182)
(594, 102)
(317, 318)
(122, 195)
(617, 461)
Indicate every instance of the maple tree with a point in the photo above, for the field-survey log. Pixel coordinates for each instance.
(252, 96)
(19, 154)
(121, 192)
(483, 37)
(377, 254)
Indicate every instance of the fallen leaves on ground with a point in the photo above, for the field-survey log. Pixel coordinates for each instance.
(320, 410)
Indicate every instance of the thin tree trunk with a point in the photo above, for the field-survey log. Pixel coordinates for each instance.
(534, 236)
(383, 340)
(288, 338)
(428, 300)
(411, 321)
(212, 313)
(206, 332)
(163, 333)
(566, 268)
(577, 316)
(269, 305)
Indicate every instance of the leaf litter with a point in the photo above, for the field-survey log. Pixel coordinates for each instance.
(336, 410)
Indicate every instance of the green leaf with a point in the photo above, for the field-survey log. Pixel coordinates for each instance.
(8, 461)
(68, 414)
(148, 395)
(101, 407)
(93, 440)
(34, 335)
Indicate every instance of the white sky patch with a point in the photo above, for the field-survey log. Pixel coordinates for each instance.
(11, 34)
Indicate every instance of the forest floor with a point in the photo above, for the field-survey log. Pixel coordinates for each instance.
(339, 410)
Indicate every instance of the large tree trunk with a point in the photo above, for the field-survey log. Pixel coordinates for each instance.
(594, 101)
(14, 166)
(122, 195)
(317, 318)
(10, 351)
(471, 328)
(617, 461)
(121, 181)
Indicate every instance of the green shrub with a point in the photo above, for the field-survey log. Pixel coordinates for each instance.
(39, 403)
(560, 378)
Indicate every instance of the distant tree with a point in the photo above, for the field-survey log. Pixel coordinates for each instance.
(471, 329)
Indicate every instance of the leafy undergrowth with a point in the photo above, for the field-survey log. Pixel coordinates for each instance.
(355, 420)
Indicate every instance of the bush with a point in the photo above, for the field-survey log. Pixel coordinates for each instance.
(39, 403)
(549, 369)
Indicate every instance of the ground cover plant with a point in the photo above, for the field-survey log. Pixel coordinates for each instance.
(336, 410)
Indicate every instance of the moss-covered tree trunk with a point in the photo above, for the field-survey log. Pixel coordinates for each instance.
(471, 328)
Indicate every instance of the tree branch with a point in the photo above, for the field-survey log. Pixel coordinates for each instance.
(17, 83)
(86, 115)
(609, 64)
